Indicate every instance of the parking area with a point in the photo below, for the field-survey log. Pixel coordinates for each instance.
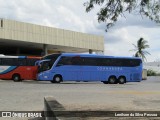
(29, 95)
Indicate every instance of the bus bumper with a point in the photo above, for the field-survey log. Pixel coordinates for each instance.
(43, 77)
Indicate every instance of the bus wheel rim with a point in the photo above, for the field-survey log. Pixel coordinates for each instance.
(121, 80)
(112, 80)
(57, 79)
(16, 78)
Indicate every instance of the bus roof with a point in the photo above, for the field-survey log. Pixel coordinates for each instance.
(6, 56)
(95, 55)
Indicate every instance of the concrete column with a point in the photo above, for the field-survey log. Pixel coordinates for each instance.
(45, 50)
(102, 52)
(90, 51)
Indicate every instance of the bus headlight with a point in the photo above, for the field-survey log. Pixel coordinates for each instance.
(45, 77)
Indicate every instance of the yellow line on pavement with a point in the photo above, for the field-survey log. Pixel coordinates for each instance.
(135, 92)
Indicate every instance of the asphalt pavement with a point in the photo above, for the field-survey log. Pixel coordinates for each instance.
(29, 95)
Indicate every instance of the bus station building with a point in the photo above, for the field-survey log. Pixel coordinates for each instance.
(19, 38)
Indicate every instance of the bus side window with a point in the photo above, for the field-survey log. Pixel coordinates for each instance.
(8, 61)
(104, 62)
(76, 61)
(60, 62)
(122, 62)
(30, 62)
(135, 62)
(91, 61)
(21, 62)
(64, 61)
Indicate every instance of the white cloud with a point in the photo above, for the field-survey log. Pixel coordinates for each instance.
(73, 21)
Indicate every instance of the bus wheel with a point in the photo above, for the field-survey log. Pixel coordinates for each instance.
(122, 80)
(105, 82)
(16, 77)
(57, 79)
(52, 81)
(112, 80)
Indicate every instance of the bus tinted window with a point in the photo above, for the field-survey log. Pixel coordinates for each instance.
(65, 61)
(17, 62)
(0, 61)
(53, 56)
(20, 62)
(111, 62)
(120, 62)
(70, 61)
(31, 62)
(76, 60)
(90, 61)
(8, 61)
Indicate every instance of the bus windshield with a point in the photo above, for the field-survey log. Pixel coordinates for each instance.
(47, 62)
(51, 57)
(44, 65)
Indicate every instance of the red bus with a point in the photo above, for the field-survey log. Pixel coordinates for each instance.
(18, 68)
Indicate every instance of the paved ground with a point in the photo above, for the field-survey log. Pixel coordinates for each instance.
(28, 95)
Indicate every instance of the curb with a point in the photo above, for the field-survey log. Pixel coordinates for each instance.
(50, 106)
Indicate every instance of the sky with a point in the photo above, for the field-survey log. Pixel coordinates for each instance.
(71, 15)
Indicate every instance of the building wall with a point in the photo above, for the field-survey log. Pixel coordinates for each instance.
(14, 30)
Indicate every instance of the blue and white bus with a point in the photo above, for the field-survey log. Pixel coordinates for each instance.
(89, 67)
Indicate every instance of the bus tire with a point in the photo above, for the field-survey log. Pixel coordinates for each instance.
(105, 82)
(122, 79)
(52, 81)
(57, 79)
(16, 78)
(112, 80)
